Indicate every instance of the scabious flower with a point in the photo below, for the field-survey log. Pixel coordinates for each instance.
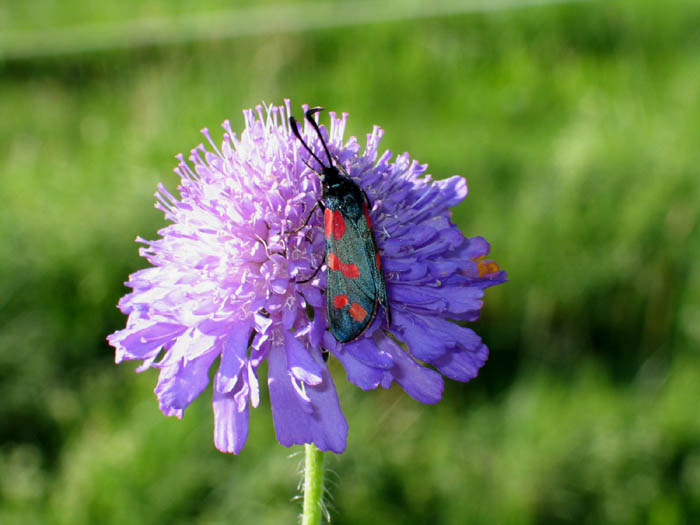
(227, 283)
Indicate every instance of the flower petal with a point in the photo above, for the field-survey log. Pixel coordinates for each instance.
(230, 423)
(143, 340)
(430, 337)
(234, 355)
(462, 364)
(453, 190)
(358, 373)
(301, 364)
(324, 425)
(366, 351)
(421, 383)
(180, 382)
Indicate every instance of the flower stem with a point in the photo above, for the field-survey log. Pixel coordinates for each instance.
(313, 485)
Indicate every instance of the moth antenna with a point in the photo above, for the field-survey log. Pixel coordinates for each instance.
(311, 167)
(295, 130)
(309, 116)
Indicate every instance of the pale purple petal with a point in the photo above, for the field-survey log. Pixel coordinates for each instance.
(430, 337)
(421, 383)
(462, 364)
(299, 361)
(143, 340)
(365, 351)
(230, 423)
(319, 421)
(182, 381)
(358, 373)
(234, 355)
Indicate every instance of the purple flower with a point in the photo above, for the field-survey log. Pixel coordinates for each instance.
(227, 278)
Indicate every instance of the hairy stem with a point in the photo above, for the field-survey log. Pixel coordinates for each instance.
(313, 486)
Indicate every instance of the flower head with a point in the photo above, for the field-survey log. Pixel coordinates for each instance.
(229, 280)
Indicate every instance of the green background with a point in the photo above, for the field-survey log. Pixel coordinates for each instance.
(578, 129)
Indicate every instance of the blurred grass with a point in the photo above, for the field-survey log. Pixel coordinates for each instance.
(577, 128)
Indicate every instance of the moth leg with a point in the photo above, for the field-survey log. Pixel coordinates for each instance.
(311, 168)
(308, 217)
(313, 274)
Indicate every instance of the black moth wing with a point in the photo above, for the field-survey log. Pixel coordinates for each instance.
(371, 247)
(351, 275)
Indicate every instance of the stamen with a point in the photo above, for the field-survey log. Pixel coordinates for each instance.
(205, 132)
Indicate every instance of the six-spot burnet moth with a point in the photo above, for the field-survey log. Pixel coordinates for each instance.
(354, 278)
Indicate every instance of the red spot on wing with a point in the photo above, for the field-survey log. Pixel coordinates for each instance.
(334, 223)
(338, 224)
(328, 222)
(340, 301)
(379, 261)
(358, 313)
(333, 262)
(369, 221)
(351, 271)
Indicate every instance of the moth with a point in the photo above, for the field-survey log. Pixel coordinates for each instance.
(355, 284)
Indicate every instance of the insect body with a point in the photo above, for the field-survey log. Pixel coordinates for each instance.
(354, 279)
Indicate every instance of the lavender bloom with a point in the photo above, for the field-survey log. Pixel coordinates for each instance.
(226, 282)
